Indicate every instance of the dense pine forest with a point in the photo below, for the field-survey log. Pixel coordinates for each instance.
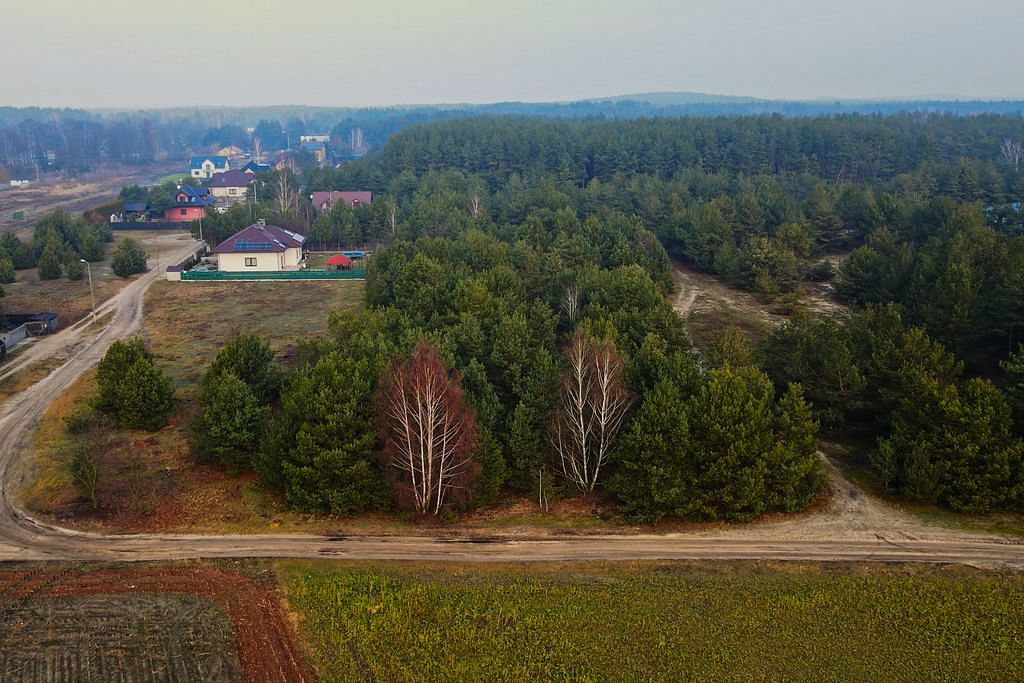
(523, 276)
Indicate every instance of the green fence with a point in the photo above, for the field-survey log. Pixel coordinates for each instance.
(276, 275)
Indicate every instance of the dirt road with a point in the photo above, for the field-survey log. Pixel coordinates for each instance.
(853, 527)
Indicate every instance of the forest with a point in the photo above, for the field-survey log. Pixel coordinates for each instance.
(518, 336)
(37, 140)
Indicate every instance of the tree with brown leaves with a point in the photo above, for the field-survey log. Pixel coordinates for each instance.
(592, 405)
(429, 431)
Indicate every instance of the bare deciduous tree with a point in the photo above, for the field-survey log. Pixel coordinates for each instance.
(571, 303)
(393, 220)
(428, 430)
(475, 204)
(1013, 152)
(257, 148)
(592, 406)
(285, 195)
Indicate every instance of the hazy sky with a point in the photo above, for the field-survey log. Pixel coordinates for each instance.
(145, 53)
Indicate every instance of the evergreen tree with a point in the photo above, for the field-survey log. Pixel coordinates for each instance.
(75, 270)
(91, 247)
(49, 265)
(231, 425)
(129, 258)
(7, 273)
(132, 388)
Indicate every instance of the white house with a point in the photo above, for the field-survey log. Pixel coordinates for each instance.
(260, 247)
(206, 166)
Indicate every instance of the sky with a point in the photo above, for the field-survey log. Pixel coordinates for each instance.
(146, 54)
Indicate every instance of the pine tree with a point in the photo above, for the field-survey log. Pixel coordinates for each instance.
(49, 265)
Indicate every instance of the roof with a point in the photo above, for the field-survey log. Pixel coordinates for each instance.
(322, 199)
(218, 161)
(313, 146)
(256, 167)
(194, 196)
(260, 239)
(136, 207)
(230, 179)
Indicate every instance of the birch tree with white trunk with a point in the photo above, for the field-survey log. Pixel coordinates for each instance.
(1013, 152)
(429, 432)
(592, 406)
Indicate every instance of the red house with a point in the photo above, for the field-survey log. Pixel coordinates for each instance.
(189, 204)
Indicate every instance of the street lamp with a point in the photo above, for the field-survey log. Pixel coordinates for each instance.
(92, 297)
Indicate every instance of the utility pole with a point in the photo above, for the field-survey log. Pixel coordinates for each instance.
(92, 296)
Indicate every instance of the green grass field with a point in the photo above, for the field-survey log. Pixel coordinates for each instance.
(633, 622)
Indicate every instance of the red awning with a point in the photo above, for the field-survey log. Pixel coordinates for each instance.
(339, 260)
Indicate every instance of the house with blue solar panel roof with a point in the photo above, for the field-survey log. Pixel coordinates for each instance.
(261, 247)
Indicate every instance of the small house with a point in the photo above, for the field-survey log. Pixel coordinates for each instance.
(261, 247)
(316, 149)
(230, 186)
(323, 201)
(189, 204)
(205, 166)
(135, 210)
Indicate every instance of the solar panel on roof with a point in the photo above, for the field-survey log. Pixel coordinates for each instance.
(242, 245)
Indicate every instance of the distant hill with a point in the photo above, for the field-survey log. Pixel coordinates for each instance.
(670, 99)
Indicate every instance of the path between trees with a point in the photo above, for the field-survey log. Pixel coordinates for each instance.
(851, 527)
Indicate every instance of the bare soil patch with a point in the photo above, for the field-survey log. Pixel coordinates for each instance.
(145, 623)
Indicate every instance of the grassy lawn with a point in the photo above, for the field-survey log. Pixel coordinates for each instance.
(317, 260)
(636, 621)
(176, 177)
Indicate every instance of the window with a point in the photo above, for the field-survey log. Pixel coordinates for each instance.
(250, 261)
(232, 190)
(183, 211)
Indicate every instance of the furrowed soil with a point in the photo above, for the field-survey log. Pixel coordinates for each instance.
(657, 621)
(151, 623)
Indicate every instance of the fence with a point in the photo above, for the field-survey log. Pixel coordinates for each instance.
(149, 225)
(208, 276)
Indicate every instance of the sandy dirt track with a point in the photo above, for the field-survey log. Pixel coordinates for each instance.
(852, 527)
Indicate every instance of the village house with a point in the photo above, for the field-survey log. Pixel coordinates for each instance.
(317, 149)
(323, 201)
(229, 187)
(205, 166)
(261, 247)
(231, 152)
(254, 167)
(189, 204)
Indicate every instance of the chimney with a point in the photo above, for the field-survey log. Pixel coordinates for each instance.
(262, 222)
